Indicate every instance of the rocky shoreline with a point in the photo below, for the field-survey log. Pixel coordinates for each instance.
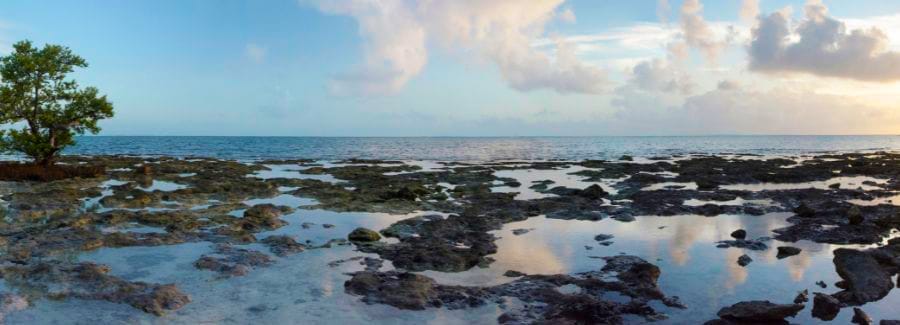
(185, 200)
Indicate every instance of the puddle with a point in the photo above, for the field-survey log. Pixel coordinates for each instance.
(163, 186)
(705, 277)
(846, 182)
(560, 177)
(292, 172)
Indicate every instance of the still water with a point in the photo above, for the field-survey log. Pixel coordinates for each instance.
(472, 148)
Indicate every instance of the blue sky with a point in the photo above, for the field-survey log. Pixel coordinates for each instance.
(348, 68)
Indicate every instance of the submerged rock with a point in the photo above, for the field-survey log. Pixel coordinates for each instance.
(802, 297)
(90, 281)
(751, 244)
(230, 261)
(758, 311)
(283, 245)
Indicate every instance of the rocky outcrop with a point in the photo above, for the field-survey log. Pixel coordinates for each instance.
(866, 280)
(757, 312)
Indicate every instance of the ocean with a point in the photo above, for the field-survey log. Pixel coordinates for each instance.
(471, 148)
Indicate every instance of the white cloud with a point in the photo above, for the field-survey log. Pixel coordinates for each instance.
(255, 52)
(697, 33)
(749, 10)
(732, 109)
(567, 15)
(397, 35)
(658, 75)
(821, 45)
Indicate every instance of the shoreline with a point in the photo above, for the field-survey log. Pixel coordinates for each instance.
(444, 217)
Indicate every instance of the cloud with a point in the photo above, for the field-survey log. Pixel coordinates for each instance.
(255, 52)
(821, 45)
(658, 75)
(567, 15)
(733, 109)
(749, 10)
(397, 35)
(662, 10)
(697, 33)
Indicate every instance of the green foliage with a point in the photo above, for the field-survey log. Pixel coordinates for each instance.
(35, 93)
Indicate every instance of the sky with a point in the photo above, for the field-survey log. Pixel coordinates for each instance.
(479, 67)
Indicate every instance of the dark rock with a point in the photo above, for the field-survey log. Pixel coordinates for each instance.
(860, 317)
(161, 299)
(626, 158)
(363, 235)
(410, 291)
(283, 245)
(520, 231)
(835, 186)
(804, 211)
(593, 192)
(866, 280)
(744, 260)
(821, 284)
(802, 297)
(603, 237)
(889, 322)
(751, 244)
(739, 234)
(855, 216)
(787, 251)
(513, 274)
(825, 307)
(229, 261)
(758, 311)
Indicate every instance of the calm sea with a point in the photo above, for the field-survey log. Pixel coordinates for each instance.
(472, 148)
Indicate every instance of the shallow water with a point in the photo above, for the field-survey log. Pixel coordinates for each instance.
(304, 288)
(472, 148)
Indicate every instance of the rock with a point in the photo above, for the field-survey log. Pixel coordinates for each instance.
(327, 226)
(825, 307)
(855, 216)
(520, 231)
(10, 303)
(758, 311)
(229, 261)
(751, 244)
(802, 297)
(161, 299)
(787, 251)
(363, 235)
(626, 158)
(593, 192)
(821, 284)
(866, 280)
(143, 170)
(804, 211)
(603, 237)
(860, 317)
(739, 234)
(263, 216)
(889, 322)
(706, 185)
(744, 260)
(283, 245)
(835, 186)
(409, 291)
(513, 274)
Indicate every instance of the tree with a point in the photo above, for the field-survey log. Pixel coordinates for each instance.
(36, 95)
